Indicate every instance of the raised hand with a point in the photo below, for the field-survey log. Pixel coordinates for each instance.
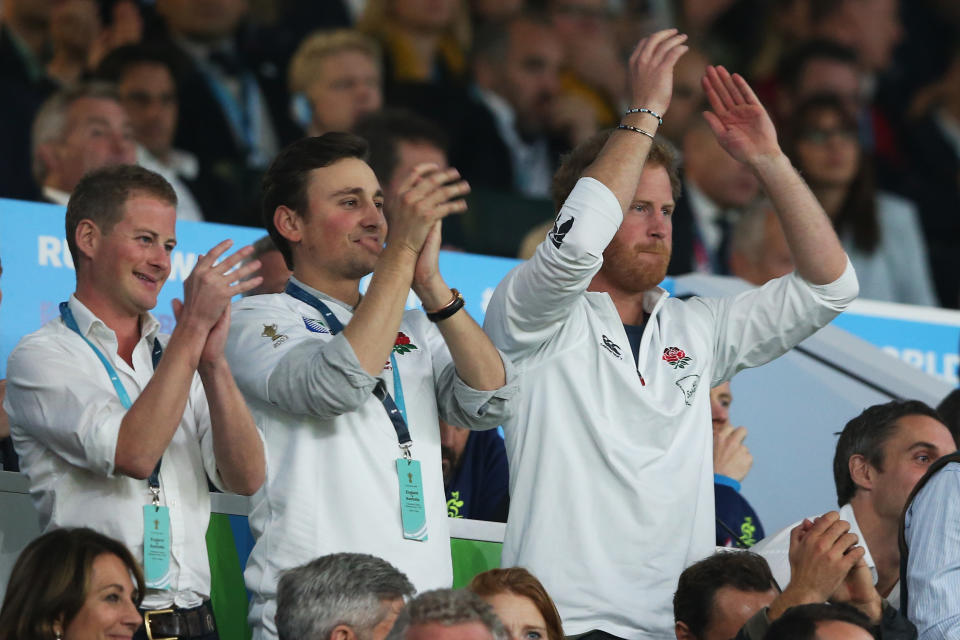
(822, 555)
(651, 69)
(731, 457)
(428, 195)
(738, 120)
(207, 292)
(858, 590)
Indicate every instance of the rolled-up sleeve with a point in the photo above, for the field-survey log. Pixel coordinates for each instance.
(68, 410)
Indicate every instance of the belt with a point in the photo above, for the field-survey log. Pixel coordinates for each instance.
(179, 624)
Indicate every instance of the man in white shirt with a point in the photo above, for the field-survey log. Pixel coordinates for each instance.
(880, 456)
(348, 389)
(610, 454)
(119, 427)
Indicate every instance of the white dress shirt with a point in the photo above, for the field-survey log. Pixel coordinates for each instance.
(776, 548)
(65, 420)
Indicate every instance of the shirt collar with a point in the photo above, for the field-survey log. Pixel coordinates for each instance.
(88, 322)
(181, 163)
(846, 513)
(56, 195)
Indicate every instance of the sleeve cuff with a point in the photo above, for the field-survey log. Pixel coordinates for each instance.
(727, 481)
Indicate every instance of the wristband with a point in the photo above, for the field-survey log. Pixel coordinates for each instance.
(448, 309)
(635, 129)
(645, 110)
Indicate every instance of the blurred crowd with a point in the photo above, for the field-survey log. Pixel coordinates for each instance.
(864, 93)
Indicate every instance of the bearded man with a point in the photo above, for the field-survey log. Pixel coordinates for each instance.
(610, 448)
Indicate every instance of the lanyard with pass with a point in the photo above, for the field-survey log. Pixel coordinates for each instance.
(156, 525)
(412, 511)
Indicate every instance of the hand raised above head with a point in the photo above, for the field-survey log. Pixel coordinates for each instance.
(738, 119)
(429, 194)
(650, 73)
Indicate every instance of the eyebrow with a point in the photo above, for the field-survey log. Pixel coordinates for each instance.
(153, 234)
(355, 191)
(923, 445)
(111, 586)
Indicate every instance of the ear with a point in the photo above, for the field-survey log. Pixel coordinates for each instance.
(342, 632)
(682, 631)
(861, 471)
(288, 223)
(87, 238)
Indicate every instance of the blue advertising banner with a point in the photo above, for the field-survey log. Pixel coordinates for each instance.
(38, 274)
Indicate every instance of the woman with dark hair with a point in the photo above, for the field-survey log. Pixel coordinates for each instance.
(879, 231)
(72, 584)
(521, 603)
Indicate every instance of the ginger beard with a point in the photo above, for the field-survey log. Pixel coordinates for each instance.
(635, 268)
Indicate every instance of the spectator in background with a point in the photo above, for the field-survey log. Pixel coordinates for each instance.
(341, 596)
(334, 80)
(880, 232)
(880, 456)
(77, 130)
(716, 189)
(687, 102)
(145, 83)
(816, 67)
(930, 542)
(933, 177)
(273, 269)
(444, 614)
(737, 523)
(718, 594)
(821, 622)
(94, 457)
(425, 46)
(72, 584)
(758, 248)
(511, 141)
(24, 85)
(79, 38)
(399, 141)
(520, 601)
(949, 410)
(594, 69)
(871, 27)
(475, 476)
(234, 111)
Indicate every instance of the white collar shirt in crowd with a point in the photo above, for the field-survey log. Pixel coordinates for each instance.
(532, 169)
(56, 196)
(776, 549)
(611, 475)
(180, 165)
(65, 420)
(932, 532)
(331, 449)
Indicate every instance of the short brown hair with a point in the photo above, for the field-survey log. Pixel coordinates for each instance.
(287, 179)
(101, 195)
(521, 582)
(576, 162)
(51, 579)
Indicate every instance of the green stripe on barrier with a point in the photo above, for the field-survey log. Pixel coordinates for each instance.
(471, 557)
(228, 594)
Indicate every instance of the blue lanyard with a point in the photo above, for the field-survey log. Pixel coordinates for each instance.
(71, 322)
(243, 114)
(396, 409)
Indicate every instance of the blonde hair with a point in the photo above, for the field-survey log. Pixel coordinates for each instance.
(322, 44)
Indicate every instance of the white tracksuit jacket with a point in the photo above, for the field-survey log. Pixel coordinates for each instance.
(611, 474)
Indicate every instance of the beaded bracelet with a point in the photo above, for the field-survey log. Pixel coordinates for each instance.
(635, 129)
(645, 110)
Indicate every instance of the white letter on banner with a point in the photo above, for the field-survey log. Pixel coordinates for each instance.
(48, 251)
(950, 363)
(914, 357)
(181, 264)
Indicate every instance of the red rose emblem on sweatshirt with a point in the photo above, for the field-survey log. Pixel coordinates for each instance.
(676, 357)
(403, 344)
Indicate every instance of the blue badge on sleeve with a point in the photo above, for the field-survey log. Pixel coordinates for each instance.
(156, 546)
(413, 514)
